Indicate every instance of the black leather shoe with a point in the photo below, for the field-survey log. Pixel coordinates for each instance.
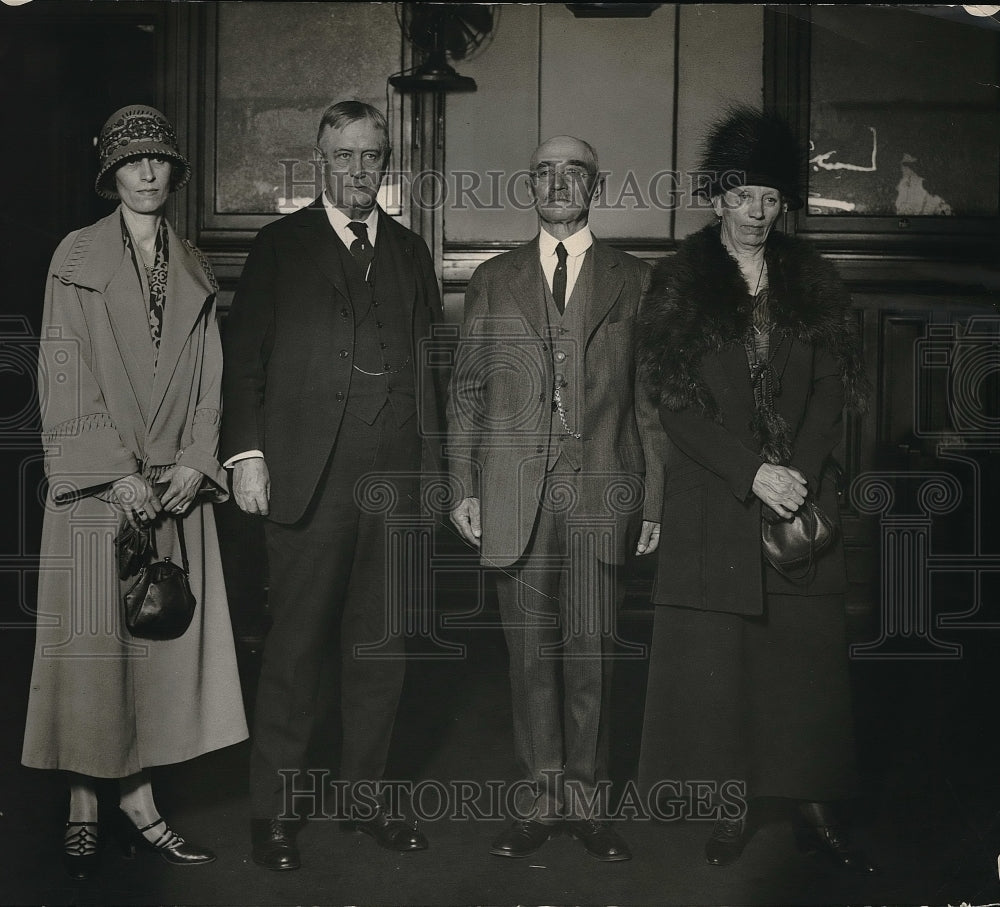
(522, 838)
(80, 850)
(831, 842)
(274, 844)
(726, 843)
(393, 834)
(600, 840)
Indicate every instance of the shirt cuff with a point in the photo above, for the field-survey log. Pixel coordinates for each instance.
(246, 455)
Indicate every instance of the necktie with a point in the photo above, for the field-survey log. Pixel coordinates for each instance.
(361, 249)
(559, 279)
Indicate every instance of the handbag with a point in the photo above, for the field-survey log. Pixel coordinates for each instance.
(160, 604)
(793, 545)
(132, 547)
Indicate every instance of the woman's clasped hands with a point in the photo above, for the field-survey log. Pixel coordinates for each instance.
(139, 500)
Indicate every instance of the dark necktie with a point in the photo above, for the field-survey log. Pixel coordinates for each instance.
(361, 249)
(559, 279)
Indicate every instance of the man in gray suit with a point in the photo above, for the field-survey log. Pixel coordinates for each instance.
(558, 477)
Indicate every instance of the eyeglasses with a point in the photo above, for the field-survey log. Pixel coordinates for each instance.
(570, 173)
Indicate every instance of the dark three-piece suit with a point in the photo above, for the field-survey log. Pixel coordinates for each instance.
(323, 376)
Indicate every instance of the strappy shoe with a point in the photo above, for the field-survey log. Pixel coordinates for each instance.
(168, 844)
(80, 850)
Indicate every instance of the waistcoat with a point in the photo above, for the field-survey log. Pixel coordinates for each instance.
(382, 339)
(566, 332)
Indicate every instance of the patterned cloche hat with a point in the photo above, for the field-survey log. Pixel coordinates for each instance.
(137, 131)
(751, 148)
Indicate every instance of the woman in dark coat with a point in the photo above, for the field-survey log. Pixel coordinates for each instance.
(749, 348)
(130, 370)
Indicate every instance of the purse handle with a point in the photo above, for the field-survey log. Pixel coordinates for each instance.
(180, 538)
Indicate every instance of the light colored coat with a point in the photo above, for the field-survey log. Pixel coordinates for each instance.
(103, 703)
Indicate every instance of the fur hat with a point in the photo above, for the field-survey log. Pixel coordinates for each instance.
(748, 147)
(137, 131)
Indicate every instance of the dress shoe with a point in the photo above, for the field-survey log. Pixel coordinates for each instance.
(831, 842)
(166, 842)
(522, 838)
(393, 834)
(599, 839)
(274, 844)
(80, 850)
(726, 843)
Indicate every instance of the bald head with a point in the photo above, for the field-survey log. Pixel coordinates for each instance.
(566, 148)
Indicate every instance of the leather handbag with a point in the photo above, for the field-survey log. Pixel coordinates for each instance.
(160, 604)
(793, 545)
(132, 547)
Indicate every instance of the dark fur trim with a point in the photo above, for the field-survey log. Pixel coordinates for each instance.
(698, 303)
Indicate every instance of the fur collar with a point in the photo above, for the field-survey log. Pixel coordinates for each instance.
(698, 303)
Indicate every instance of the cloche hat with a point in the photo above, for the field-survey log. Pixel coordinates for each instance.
(748, 147)
(137, 131)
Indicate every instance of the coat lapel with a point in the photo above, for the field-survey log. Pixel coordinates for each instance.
(187, 290)
(609, 279)
(105, 266)
(397, 245)
(321, 243)
(526, 286)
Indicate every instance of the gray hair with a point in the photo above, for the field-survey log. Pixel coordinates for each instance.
(338, 115)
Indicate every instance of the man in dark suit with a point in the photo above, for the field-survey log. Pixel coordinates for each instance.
(322, 387)
(559, 476)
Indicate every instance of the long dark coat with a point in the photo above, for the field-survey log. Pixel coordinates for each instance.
(694, 365)
(748, 678)
(103, 703)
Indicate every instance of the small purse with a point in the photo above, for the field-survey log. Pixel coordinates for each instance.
(793, 545)
(132, 548)
(159, 604)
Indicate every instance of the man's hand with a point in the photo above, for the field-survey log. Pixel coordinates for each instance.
(184, 485)
(466, 518)
(136, 499)
(782, 488)
(252, 485)
(649, 538)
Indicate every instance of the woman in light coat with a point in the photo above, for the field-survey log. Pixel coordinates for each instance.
(129, 380)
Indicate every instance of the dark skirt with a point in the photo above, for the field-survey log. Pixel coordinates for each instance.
(761, 700)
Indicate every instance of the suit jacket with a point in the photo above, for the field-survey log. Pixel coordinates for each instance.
(500, 403)
(289, 349)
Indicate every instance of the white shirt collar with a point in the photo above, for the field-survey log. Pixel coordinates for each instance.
(575, 245)
(339, 220)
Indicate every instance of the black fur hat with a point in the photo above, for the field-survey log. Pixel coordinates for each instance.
(748, 147)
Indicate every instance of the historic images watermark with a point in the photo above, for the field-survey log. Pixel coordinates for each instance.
(20, 427)
(507, 190)
(956, 417)
(314, 794)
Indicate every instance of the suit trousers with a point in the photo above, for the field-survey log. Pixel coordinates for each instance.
(328, 588)
(558, 605)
